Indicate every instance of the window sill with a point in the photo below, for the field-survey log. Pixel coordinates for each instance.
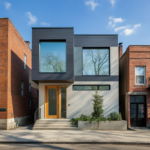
(140, 85)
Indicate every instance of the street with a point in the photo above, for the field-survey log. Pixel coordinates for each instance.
(72, 147)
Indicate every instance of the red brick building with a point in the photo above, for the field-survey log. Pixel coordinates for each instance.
(134, 82)
(18, 99)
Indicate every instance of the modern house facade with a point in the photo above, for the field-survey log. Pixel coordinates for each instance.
(69, 67)
(134, 95)
(18, 98)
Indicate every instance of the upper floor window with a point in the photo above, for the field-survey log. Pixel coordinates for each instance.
(96, 61)
(52, 57)
(22, 88)
(140, 75)
(25, 61)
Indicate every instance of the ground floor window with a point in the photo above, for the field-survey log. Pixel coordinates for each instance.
(91, 87)
(137, 111)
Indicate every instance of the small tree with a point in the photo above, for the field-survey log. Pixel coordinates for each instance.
(97, 105)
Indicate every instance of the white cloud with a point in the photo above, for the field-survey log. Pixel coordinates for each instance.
(45, 24)
(7, 5)
(112, 2)
(113, 21)
(132, 30)
(92, 3)
(32, 18)
(120, 28)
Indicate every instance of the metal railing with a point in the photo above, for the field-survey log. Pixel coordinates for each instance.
(37, 114)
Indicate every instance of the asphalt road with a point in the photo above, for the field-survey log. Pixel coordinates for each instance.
(72, 147)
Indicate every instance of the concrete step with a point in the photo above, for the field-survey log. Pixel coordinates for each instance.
(54, 125)
(51, 123)
(55, 128)
(53, 120)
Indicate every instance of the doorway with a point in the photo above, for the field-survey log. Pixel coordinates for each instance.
(137, 111)
(55, 101)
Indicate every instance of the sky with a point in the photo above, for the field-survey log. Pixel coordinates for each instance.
(130, 19)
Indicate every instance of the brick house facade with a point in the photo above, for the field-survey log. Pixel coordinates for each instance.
(134, 94)
(12, 73)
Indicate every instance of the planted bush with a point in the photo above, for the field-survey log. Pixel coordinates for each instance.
(115, 116)
(97, 105)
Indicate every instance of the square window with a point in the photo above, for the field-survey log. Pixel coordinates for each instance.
(52, 56)
(96, 61)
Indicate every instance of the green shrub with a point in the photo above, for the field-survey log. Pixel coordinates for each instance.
(114, 116)
(97, 105)
(81, 118)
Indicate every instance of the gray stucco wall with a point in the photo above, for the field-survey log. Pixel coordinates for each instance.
(80, 101)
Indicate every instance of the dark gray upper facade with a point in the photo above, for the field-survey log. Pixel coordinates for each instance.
(72, 42)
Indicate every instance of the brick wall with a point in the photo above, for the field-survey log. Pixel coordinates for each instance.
(17, 106)
(3, 65)
(139, 56)
(136, 56)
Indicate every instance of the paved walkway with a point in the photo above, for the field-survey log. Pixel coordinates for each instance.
(78, 136)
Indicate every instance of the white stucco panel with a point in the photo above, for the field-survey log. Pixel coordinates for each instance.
(114, 61)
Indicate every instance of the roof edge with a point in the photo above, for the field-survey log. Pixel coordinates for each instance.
(95, 34)
(52, 27)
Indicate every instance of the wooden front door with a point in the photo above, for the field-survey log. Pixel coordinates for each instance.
(55, 101)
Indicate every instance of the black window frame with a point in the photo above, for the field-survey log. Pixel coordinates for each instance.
(96, 48)
(92, 85)
(53, 40)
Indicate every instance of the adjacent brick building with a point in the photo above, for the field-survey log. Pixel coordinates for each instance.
(134, 69)
(18, 99)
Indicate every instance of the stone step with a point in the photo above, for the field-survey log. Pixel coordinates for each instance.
(54, 125)
(68, 123)
(55, 128)
(53, 120)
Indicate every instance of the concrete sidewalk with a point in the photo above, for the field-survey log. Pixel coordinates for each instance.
(78, 136)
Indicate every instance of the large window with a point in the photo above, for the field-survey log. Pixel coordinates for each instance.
(139, 75)
(52, 56)
(96, 61)
(91, 87)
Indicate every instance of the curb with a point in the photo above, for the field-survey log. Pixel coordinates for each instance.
(114, 143)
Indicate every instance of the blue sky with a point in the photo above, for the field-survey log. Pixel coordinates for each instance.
(130, 19)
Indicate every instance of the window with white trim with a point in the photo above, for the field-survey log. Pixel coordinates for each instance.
(25, 61)
(140, 75)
